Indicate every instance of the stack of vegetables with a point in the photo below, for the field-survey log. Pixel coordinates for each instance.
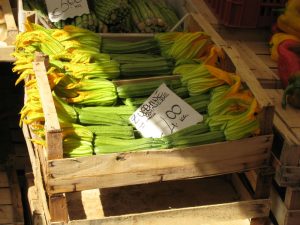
(94, 111)
(117, 16)
(285, 50)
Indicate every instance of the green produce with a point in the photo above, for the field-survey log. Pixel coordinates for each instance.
(112, 131)
(145, 88)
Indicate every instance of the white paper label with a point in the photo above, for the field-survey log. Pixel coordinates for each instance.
(63, 9)
(164, 113)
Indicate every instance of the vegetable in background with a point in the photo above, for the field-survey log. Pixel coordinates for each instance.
(292, 92)
(288, 61)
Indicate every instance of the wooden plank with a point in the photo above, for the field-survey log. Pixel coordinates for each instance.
(240, 187)
(151, 166)
(3, 179)
(58, 208)
(282, 214)
(296, 132)
(290, 141)
(286, 124)
(135, 198)
(290, 116)
(6, 214)
(5, 196)
(252, 178)
(205, 214)
(6, 52)
(35, 163)
(268, 61)
(52, 126)
(263, 183)
(290, 174)
(277, 207)
(292, 198)
(259, 47)
(11, 27)
(36, 208)
(16, 197)
(258, 67)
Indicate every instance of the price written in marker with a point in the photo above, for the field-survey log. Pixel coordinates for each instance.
(164, 113)
(64, 9)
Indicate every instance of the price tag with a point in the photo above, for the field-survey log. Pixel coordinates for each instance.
(164, 113)
(63, 9)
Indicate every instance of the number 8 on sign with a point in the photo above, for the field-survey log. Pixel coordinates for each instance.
(175, 111)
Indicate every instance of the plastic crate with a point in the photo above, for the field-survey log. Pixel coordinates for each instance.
(246, 13)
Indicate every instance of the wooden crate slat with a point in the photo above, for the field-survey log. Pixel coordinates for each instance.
(292, 198)
(11, 34)
(286, 124)
(206, 214)
(268, 61)
(3, 179)
(5, 196)
(258, 67)
(36, 170)
(16, 196)
(151, 166)
(11, 27)
(259, 47)
(290, 115)
(6, 214)
(282, 214)
(6, 52)
(52, 126)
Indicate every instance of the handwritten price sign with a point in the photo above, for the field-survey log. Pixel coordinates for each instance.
(63, 9)
(164, 113)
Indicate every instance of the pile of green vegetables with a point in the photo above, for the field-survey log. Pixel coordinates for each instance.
(116, 16)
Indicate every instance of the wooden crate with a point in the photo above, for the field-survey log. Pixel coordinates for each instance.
(252, 45)
(286, 146)
(286, 205)
(12, 31)
(285, 202)
(11, 209)
(66, 175)
(121, 169)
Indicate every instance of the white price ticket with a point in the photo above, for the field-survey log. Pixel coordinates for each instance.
(64, 9)
(164, 113)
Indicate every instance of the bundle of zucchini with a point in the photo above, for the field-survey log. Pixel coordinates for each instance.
(112, 12)
(86, 21)
(152, 16)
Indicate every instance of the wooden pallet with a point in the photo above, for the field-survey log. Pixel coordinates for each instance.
(11, 209)
(285, 202)
(12, 31)
(252, 44)
(286, 147)
(196, 200)
(286, 208)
